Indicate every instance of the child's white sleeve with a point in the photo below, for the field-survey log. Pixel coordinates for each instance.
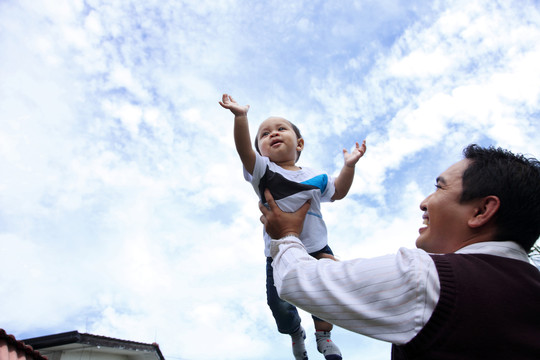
(329, 191)
(259, 169)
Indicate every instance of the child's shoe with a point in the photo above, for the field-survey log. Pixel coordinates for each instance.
(326, 346)
(298, 346)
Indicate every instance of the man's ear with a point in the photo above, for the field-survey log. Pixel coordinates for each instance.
(300, 144)
(486, 209)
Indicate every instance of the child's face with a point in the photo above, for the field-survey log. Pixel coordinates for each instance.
(277, 140)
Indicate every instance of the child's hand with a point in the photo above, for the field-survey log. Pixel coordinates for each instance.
(352, 158)
(325, 256)
(229, 103)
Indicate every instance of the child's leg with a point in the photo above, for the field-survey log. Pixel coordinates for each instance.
(321, 325)
(325, 345)
(285, 315)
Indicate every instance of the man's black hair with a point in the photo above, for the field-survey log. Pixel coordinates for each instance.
(515, 180)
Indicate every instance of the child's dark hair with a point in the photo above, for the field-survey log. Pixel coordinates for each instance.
(298, 136)
(515, 180)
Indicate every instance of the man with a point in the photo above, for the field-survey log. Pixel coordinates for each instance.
(467, 292)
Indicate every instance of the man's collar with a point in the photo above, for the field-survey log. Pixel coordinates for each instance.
(508, 249)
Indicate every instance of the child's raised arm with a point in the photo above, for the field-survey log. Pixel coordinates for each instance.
(345, 178)
(242, 139)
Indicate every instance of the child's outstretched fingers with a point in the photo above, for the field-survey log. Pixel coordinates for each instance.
(225, 100)
(229, 103)
(362, 148)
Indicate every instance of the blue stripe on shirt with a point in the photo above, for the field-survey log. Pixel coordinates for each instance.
(319, 181)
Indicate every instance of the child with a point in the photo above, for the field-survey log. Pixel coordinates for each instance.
(279, 143)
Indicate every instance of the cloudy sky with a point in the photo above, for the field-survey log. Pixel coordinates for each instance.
(123, 210)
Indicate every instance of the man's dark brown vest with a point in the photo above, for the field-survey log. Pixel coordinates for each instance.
(489, 308)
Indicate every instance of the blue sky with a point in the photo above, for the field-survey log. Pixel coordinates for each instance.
(123, 210)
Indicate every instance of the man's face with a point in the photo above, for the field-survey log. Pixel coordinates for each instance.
(445, 218)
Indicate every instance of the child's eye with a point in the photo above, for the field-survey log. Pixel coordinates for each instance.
(264, 133)
(438, 186)
(281, 128)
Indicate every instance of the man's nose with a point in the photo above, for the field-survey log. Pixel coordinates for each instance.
(423, 204)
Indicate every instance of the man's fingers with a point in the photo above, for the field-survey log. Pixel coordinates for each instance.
(304, 208)
(269, 199)
(263, 209)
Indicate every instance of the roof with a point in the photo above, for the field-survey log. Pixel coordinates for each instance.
(19, 346)
(76, 341)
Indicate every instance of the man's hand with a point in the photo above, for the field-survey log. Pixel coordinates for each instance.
(352, 158)
(279, 224)
(229, 103)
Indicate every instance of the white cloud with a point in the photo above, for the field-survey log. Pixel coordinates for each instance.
(420, 64)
